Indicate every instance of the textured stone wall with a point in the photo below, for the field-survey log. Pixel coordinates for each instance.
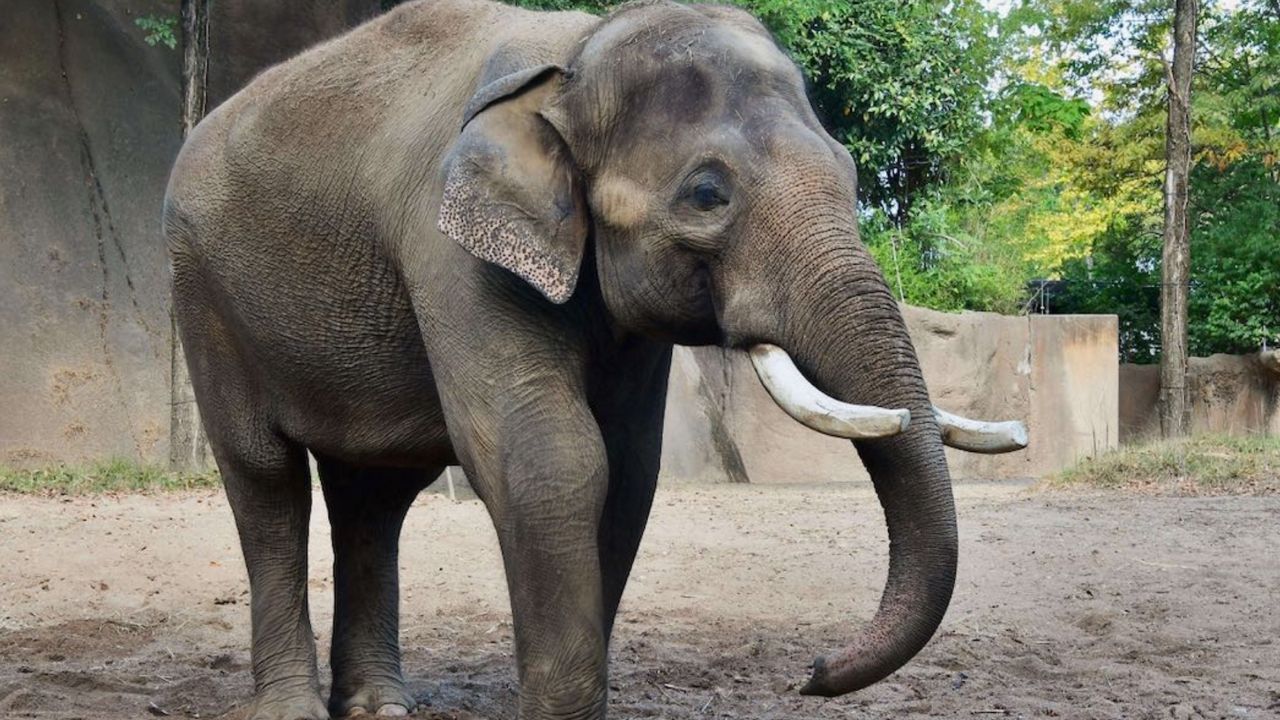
(89, 125)
(1232, 394)
(1056, 373)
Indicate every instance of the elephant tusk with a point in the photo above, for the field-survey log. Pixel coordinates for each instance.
(977, 436)
(815, 409)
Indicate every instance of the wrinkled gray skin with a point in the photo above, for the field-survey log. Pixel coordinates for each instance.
(358, 274)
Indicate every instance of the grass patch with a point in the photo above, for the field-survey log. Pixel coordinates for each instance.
(1207, 465)
(110, 476)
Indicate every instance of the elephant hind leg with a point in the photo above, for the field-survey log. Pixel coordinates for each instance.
(268, 487)
(367, 507)
(270, 495)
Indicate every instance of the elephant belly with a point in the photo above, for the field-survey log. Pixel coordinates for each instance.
(373, 421)
(336, 354)
(366, 396)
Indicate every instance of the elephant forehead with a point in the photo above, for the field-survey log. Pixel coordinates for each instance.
(667, 34)
(755, 50)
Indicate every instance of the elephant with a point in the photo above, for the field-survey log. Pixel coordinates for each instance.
(465, 233)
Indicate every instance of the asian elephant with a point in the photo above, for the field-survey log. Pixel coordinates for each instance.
(468, 233)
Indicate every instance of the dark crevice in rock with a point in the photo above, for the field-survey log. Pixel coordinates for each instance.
(721, 441)
(102, 218)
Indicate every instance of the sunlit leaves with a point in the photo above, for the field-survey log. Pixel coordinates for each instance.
(901, 84)
(1041, 109)
(159, 29)
(1235, 184)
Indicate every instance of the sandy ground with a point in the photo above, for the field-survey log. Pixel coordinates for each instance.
(1067, 605)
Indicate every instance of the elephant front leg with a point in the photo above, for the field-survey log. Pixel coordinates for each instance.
(546, 507)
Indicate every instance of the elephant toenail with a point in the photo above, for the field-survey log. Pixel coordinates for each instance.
(393, 710)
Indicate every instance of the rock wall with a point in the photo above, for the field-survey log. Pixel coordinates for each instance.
(1056, 373)
(1231, 394)
(89, 125)
(248, 36)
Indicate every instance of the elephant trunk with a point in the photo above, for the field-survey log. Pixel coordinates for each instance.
(847, 336)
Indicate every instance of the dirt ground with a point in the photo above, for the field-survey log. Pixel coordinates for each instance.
(1068, 605)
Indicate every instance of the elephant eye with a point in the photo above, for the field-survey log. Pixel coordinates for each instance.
(707, 195)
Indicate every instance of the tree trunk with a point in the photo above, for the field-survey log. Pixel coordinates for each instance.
(1176, 264)
(188, 447)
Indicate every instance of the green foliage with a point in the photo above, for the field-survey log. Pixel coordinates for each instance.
(1235, 267)
(1206, 465)
(1235, 272)
(111, 476)
(1238, 88)
(901, 84)
(1040, 109)
(159, 29)
(936, 262)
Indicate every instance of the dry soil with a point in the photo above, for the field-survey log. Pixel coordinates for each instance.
(1068, 605)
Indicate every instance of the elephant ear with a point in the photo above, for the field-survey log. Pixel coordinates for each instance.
(512, 195)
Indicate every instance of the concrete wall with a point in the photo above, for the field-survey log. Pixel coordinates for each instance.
(89, 125)
(1056, 373)
(1232, 394)
(247, 36)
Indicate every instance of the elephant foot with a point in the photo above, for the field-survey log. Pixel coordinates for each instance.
(296, 704)
(381, 699)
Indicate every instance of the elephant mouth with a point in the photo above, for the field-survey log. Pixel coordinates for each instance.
(818, 411)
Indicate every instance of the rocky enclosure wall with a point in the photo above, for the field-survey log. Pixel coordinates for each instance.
(1231, 394)
(90, 120)
(1057, 373)
(89, 123)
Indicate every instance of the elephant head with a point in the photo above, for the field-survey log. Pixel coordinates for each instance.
(678, 145)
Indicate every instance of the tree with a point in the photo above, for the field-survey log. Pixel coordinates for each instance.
(188, 446)
(1110, 50)
(1235, 280)
(1175, 406)
(901, 84)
